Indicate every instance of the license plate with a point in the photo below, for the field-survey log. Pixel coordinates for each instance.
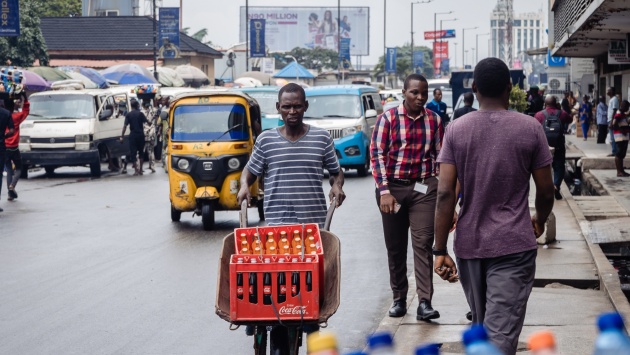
(207, 165)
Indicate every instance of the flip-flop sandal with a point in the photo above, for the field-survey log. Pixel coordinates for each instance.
(12, 194)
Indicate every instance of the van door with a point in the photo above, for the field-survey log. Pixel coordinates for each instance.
(369, 104)
(107, 130)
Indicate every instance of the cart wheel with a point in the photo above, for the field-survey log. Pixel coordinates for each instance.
(260, 341)
(207, 216)
(261, 212)
(175, 214)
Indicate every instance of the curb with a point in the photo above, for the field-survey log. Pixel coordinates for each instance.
(608, 277)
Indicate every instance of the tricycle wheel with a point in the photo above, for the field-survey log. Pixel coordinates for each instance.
(363, 170)
(261, 212)
(49, 170)
(207, 216)
(175, 214)
(95, 169)
(260, 341)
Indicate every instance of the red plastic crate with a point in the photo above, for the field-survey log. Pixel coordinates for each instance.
(303, 306)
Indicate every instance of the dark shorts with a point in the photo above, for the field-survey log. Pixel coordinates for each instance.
(622, 148)
(14, 157)
(136, 145)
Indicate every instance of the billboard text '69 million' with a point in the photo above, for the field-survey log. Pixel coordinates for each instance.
(311, 27)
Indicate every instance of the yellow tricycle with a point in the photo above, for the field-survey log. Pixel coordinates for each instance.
(210, 139)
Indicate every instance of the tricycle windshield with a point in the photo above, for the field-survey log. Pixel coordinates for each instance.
(341, 106)
(195, 123)
(62, 106)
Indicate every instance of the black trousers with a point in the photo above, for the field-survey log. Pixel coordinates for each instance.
(3, 157)
(602, 132)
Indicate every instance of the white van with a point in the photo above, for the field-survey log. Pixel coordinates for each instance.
(74, 128)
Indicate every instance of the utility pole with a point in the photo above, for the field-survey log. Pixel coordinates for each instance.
(384, 41)
(339, 65)
(155, 48)
(246, 35)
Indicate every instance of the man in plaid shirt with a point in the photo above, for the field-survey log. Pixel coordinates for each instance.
(405, 146)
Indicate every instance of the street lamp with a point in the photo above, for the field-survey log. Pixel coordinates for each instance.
(450, 19)
(297, 72)
(464, 43)
(477, 45)
(415, 3)
(435, 30)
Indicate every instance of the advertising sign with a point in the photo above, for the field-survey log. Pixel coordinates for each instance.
(344, 53)
(10, 18)
(169, 32)
(555, 61)
(440, 51)
(617, 52)
(311, 27)
(418, 61)
(439, 34)
(257, 38)
(390, 60)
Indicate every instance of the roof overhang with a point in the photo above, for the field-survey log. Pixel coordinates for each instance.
(590, 35)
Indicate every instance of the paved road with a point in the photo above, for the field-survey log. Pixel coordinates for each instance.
(96, 266)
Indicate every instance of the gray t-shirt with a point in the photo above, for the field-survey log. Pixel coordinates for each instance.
(293, 173)
(495, 153)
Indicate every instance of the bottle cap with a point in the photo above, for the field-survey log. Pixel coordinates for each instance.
(267, 260)
(294, 260)
(474, 334)
(308, 260)
(281, 260)
(320, 341)
(610, 321)
(239, 260)
(541, 340)
(243, 235)
(254, 261)
(428, 349)
(380, 339)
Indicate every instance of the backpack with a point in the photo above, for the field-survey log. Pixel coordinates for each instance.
(553, 129)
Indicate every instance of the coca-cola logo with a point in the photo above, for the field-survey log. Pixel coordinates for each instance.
(239, 290)
(292, 310)
(267, 290)
(283, 290)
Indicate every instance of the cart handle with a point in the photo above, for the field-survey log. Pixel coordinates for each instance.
(329, 214)
(243, 214)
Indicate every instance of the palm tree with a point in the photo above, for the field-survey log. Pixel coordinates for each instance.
(201, 35)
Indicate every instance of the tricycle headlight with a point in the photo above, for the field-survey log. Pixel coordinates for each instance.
(183, 164)
(348, 131)
(234, 163)
(82, 138)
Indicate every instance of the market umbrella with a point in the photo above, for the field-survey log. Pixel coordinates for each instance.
(129, 74)
(264, 78)
(248, 82)
(168, 77)
(87, 83)
(34, 82)
(89, 73)
(192, 76)
(50, 74)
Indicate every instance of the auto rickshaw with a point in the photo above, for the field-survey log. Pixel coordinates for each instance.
(211, 137)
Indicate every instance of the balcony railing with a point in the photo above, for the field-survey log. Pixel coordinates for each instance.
(566, 13)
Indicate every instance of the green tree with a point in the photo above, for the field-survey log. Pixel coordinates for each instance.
(56, 8)
(403, 62)
(518, 99)
(316, 59)
(30, 45)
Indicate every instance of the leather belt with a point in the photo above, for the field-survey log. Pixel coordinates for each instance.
(407, 182)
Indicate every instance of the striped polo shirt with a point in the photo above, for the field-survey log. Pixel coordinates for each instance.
(293, 174)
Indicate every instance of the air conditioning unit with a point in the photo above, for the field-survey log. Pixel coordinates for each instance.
(558, 84)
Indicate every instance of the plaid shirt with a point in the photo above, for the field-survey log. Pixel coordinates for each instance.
(404, 147)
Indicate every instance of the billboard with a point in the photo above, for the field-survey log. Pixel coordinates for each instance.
(440, 52)
(169, 32)
(439, 34)
(257, 38)
(618, 52)
(10, 24)
(390, 60)
(311, 27)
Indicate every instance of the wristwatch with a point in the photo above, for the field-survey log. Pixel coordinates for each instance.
(442, 252)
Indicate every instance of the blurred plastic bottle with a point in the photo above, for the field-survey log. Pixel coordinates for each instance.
(612, 338)
(542, 343)
(321, 343)
(476, 342)
(381, 344)
(428, 349)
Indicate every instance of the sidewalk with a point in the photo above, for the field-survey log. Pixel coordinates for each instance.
(554, 304)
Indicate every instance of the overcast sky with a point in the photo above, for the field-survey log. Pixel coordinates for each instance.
(221, 18)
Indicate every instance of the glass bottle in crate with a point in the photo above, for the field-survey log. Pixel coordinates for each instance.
(239, 282)
(284, 241)
(272, 250)
(271, 242)
(286, 250)
(267, 285)
(297, 240)
(244, 244)
(282, 285)
(257, 243)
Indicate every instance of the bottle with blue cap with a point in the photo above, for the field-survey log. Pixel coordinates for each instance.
(428, 349)
(381, 343)
(476, 342)
(612, 338)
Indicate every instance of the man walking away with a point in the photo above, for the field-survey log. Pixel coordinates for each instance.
(6, 131)
(602, 120)
(554, 121)
(438, 106)
(13, 157)
(469, 99)
(493, 154)
(535, 102)
(621, 132)
(406, 186)
(613, 106)
(135, 119)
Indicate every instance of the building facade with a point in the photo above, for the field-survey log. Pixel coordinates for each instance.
(528, 32)
(110, 7)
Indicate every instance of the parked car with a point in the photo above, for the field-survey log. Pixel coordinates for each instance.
(267, 97)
